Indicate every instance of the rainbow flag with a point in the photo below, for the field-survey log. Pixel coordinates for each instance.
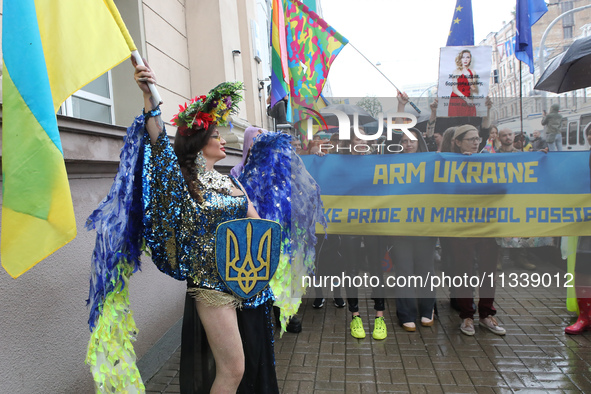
(303, 48)
(489, 147)
(51, 50)
(312, 46)
(279, 70)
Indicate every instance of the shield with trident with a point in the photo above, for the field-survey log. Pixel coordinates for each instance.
(247, 254)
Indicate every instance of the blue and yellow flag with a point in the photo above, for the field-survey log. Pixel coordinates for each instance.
(461, 32)
(51, 50)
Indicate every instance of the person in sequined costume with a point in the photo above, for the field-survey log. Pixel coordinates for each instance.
(463, 250)
(183, 205)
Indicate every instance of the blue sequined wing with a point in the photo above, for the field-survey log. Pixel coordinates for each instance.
(281, 189)
(118, 224)
(170, 213)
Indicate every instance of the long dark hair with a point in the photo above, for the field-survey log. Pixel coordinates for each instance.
(447, 142)
(186, 149)
(421, 145)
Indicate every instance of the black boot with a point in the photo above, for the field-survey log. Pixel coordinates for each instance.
(294, 325)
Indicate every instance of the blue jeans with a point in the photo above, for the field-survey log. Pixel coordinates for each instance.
(556, 145)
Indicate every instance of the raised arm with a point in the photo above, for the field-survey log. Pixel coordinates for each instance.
(432, 118)
(402, 101)
(486, 120)
(153, 120)
(544, 118)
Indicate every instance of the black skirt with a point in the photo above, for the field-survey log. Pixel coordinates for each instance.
(197, 370)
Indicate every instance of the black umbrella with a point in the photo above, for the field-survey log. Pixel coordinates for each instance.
(570, 70)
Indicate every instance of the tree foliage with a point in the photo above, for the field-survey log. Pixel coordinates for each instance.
(371, 104)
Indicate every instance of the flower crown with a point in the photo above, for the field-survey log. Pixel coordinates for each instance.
(202, 111)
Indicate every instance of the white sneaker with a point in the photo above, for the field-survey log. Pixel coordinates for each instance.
(467, 327)
(491, 323)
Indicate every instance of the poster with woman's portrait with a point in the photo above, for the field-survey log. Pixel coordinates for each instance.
(464, 76)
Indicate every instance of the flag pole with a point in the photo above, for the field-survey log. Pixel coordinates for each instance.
(520, 98)
(384, 75)
(155, 95)
(129, 40)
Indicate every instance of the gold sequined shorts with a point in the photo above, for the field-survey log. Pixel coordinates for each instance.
(214, 298)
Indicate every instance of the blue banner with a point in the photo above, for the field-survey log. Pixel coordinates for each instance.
(446, 194)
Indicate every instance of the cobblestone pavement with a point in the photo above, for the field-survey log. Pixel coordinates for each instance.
(535, 356)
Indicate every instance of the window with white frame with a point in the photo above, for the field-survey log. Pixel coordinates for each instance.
(93, 102)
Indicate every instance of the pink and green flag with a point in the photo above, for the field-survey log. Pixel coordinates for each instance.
(312, 46)
(50, 50)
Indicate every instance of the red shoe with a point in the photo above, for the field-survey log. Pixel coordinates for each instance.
(583, 323)
(578, 328)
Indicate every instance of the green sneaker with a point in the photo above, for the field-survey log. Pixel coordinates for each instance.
(379, 330)
(357, 330)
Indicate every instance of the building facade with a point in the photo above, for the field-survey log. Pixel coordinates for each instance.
(507, 78)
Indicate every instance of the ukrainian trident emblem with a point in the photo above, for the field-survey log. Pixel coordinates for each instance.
(247, 254)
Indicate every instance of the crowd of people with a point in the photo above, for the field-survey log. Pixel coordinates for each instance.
(417, 255)
(227, 343)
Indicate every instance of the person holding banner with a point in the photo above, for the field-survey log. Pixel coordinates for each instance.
(447, 140)
(517, 248)
(463, 250)
(185, 200)
(354, 250)
(464, 87)
(414, 256)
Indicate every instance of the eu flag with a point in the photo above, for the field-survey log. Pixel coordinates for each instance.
(527, 12)
(461, 32)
